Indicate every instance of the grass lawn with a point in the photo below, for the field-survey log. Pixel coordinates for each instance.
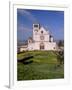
(43, 66)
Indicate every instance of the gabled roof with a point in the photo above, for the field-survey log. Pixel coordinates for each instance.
(44, 29)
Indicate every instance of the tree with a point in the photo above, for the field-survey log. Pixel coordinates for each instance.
(61, 43)
(60, 57)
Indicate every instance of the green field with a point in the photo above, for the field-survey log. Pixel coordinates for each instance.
(43, 65)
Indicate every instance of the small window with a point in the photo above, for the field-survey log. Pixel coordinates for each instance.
(41, 31)
(54, 47)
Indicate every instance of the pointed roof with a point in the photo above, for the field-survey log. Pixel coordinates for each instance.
(44, 29)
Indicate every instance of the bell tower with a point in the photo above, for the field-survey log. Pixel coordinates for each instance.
(36, 28)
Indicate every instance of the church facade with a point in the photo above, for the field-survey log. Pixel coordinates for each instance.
(40, 40)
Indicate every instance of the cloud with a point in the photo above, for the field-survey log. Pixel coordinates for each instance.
(23, 32)
(23, 28)
(27, 14)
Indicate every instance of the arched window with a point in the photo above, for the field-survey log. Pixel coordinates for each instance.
(50, 38)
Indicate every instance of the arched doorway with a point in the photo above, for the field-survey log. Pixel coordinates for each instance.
(41, 46)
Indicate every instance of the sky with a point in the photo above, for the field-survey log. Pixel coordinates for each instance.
(50, 19)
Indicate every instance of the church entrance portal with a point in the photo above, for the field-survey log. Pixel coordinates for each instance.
(41, 46)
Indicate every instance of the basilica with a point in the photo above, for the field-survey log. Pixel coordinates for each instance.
(41, 40)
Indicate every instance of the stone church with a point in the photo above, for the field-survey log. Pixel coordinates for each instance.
(40, 40)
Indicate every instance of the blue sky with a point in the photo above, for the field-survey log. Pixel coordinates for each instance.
(51, 20)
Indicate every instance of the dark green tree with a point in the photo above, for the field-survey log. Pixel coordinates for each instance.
(61, 43)
(60, 57)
